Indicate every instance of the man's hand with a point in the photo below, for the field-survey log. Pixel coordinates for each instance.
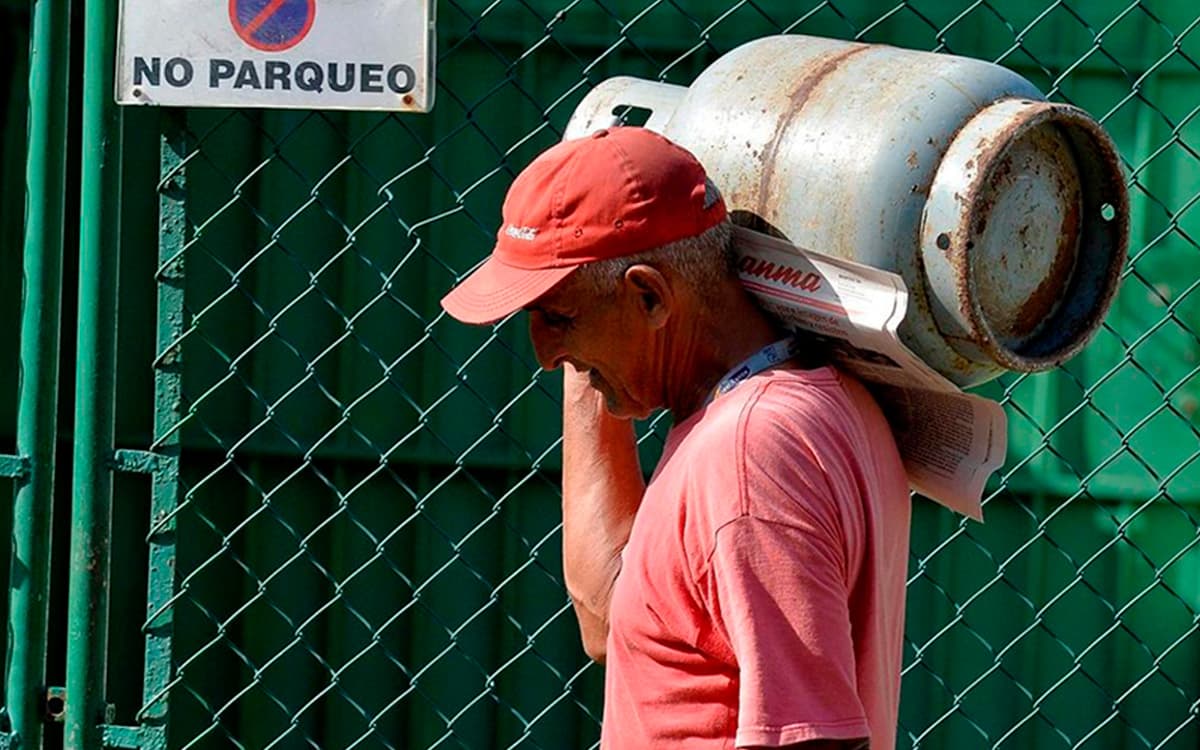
(602, 489)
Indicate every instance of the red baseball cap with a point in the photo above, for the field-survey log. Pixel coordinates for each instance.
(616, 193)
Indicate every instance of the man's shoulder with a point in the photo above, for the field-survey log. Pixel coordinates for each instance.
(819, 436)
(805, 404)
(777, 411)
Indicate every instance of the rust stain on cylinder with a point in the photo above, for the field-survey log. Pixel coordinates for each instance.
(797, 101)
(1048, 293)
(989, 157)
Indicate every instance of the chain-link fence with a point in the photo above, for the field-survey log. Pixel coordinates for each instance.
(362, 549)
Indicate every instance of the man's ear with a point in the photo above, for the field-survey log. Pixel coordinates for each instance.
(653, 292)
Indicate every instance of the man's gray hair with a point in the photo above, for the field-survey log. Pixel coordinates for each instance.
(703, 261)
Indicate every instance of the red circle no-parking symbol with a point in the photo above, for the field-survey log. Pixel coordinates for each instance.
(272, 25)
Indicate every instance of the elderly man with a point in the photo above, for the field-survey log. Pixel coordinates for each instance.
(752, 594)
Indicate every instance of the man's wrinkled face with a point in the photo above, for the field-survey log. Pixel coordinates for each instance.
(605, 336)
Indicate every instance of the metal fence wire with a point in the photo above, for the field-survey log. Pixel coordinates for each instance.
(362, 546)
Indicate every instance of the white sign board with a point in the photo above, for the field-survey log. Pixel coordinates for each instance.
(303, 54)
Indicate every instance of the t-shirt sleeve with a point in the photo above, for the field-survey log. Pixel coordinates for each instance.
(779, 595)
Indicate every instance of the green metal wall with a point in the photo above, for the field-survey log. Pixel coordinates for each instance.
(370, 490)
(1060, 609)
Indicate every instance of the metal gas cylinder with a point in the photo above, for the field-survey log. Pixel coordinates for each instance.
(1006, 215)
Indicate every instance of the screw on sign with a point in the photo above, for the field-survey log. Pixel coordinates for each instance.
(272, 25)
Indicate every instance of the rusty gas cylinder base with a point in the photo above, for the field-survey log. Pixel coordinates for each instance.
(1023, 239)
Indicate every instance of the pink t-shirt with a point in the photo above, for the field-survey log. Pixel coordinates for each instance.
(761, 596)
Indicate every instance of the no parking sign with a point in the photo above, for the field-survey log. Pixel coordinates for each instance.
(303, 54)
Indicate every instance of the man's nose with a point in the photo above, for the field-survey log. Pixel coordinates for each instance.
(547, 343)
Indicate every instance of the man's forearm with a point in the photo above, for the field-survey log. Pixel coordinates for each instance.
(602, 488)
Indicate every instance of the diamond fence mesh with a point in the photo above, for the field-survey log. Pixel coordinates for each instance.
(362, 549)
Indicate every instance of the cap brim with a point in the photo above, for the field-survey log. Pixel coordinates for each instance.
(496, 290)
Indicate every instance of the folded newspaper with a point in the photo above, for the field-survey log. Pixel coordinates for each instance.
(950, 441)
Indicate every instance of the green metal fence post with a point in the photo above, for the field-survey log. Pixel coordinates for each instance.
(87, 607)
(37, 410)
(168, 413)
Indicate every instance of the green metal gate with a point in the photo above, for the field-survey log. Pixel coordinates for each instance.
(308, 510)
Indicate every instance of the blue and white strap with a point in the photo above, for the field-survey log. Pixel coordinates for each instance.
(769, 356)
